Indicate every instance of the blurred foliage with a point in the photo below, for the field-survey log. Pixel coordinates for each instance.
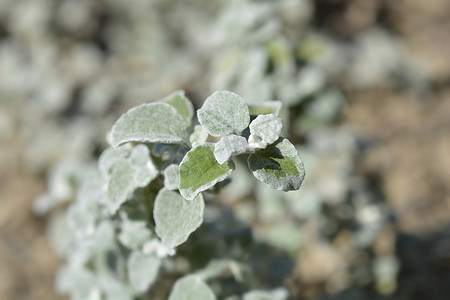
(68, 69)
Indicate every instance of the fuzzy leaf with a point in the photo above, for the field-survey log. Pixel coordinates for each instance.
(127, 175)
(264, 130)
(134, 234)
(142, 270)
(150, 123)
(110, 156)
(114, 289)
(278, 166)
(278, 294)
(172, 177)
(198, 136)
(224, 113)
(266, 107)
(199, 170)
(175, 217)
(182, 105)
(191, 288)
(229, 146)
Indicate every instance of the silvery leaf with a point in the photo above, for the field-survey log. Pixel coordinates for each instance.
(182, 105)
(172, 177)
(142, 270)
(229, 146)
(198, 136)
(264, 130)
(191, 288)
(150, 123)
(110, 156)
(278, 294)
(127, 175)
(175, 217)
(278, 166)
(224, 113)
(134, 234)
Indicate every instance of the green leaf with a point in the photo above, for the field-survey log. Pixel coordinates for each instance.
(278, 166)
(175, 217)
(191, 288)
(134, 234)
(199, 170)
(224, 113)
(182, 105)
(150, 123)
(135, 171)
(142, 270)
(198, 136)
(172, 177)
(264, 130)
(229, 146)
(266, 107)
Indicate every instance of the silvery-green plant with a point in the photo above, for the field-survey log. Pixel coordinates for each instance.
(122, 232)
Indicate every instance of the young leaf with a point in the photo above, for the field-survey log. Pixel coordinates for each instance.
(278, 166)
(198, 136)
(264, 130)
(229, 146)
(172, 177)
(175, 217)
(150, 123)
(224, 113)
(134, 234)
(191, 288)
(142, 270)
(182, 105)
(199, 170)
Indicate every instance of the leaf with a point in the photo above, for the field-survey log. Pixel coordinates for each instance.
(76, 280)
(144, 169)
(219, 267)
(114, 289)
(182, 105)
(135, 171)
(150, 123)
(198, 136)
(224, 113)
(266, 107)
(278, 166)
(120, 185)
(277, 294)
(110, 156)
(175, 217)
(172, 177)
(229, 146)
(191, 288)
(134, 234)
(199, 170)
(142, 270)
(264, 130)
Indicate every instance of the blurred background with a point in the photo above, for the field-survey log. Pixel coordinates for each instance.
(366, 92)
